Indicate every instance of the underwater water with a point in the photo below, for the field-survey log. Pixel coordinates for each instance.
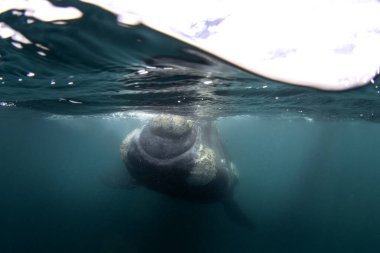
(308, 159)
(309, 186)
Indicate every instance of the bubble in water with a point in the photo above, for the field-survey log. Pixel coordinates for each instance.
(17, 45)
(41, 53)
(142, 72)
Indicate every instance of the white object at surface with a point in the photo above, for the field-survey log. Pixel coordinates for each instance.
(324, 44)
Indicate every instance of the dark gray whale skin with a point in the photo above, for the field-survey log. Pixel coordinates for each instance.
(184, 159)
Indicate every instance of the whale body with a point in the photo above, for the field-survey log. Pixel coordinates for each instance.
(182, 158)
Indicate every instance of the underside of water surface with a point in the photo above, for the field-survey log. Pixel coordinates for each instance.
(94, 65)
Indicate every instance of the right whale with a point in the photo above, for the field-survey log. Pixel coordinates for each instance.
(182, 158)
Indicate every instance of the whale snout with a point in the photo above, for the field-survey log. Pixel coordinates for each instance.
(171, 126)
(167, 137)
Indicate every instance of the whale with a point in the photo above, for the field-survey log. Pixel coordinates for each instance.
(183, 158)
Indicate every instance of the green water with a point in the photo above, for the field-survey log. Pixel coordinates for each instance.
(310, 186)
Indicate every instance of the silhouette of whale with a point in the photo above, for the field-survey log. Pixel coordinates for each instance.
(182, 158)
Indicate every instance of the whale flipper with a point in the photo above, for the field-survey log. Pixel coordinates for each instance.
(236, 214)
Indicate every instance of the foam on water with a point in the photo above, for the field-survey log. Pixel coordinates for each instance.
(321, 44)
